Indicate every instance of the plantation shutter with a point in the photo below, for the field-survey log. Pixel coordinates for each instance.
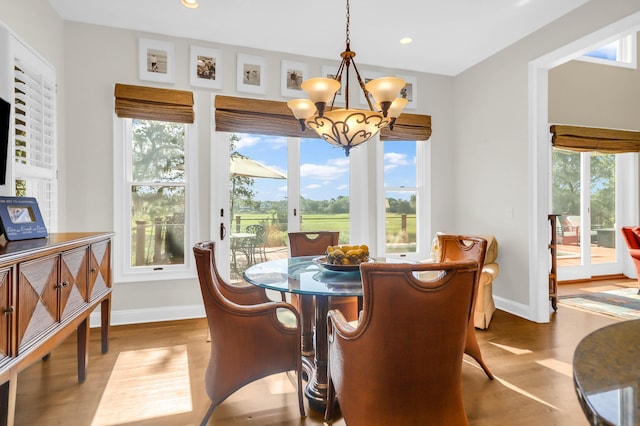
(245, 115)
(32, 169)
(584, 139)
(151, 103)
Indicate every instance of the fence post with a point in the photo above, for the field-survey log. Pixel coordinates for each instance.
(403, 227)
(157, 246)
(141, 226)
(237, 223)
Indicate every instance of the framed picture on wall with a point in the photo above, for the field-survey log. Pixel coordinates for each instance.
(155, 60)
(329, 71)
(205, 67)
(292, 74)
(367, 76)
(410, 91)
(252, 74)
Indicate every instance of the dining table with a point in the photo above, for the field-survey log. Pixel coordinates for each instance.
(606, 367)
(311, 275)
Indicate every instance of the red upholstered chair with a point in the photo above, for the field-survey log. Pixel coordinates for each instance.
(402, 363)
(248, 341)
(631, 236)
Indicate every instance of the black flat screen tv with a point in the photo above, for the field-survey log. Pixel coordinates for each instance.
(5, 113)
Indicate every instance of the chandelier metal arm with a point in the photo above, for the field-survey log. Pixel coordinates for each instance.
(366, 92)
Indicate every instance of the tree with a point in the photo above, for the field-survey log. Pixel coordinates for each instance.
(566, 186)
(240, 187)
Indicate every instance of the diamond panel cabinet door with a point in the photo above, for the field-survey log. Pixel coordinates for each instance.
(38, 295)
(7, 310)
(100, 269)
(73, 282)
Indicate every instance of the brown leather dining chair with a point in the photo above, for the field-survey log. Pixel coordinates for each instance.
(248, 341)
(402, 363)
(313, 243)
(460, 247)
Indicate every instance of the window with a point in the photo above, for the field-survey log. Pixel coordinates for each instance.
(620, 52)
(401, 197)
(153, 198)
(31, 165)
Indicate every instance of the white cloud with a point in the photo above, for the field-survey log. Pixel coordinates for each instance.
(272, 142)
(331, 171)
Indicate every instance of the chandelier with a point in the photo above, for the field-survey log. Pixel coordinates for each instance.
(347, 127)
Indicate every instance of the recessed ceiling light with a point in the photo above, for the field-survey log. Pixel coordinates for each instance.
(191, 4)
(406, 40)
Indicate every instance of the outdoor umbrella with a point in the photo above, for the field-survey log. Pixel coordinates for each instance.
(243, 166)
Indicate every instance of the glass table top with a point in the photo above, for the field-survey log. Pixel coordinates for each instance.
(302, 275)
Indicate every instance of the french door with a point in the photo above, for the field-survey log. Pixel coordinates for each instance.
(590, 194)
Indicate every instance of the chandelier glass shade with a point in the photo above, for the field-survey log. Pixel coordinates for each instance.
(347, 127)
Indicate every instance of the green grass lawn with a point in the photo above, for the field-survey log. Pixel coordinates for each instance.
(324, 222)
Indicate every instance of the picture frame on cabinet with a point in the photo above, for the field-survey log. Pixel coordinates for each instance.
(205, 67)
(251, 74)
(156, 60)
(292, 74)
(410, 91)
(21, 219)
(330, 71)
(366, 77)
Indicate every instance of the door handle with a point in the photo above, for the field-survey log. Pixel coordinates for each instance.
(223, 231)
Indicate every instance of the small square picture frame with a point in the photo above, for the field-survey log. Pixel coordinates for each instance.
(292, 74)
(330, 71)
(366, 77)
(410, 91)
(205, 67)
(156, 60)
(251, 74)
(21, 219)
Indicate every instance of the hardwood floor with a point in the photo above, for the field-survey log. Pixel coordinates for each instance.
(153, 375)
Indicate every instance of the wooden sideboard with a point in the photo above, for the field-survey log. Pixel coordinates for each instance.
(48, 289)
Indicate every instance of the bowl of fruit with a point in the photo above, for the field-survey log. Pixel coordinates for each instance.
(344, 257)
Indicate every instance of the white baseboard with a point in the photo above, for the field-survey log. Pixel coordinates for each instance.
(138, 316)
(514, 308)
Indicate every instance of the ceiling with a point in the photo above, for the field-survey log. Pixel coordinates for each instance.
(449, 36)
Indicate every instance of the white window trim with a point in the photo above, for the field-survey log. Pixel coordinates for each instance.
(123, 271)
(423, 208)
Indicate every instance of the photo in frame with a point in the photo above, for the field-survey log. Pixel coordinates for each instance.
(155, 60)
(292, 74)
(410, 91)
(21, 219)
(205, 67)
(367, 76)
(329, 71)
(251, 74)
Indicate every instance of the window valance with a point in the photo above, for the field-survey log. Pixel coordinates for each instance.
(245, 115)
(607, 141)
(151, 103)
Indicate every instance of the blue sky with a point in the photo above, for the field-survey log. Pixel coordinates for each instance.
(324, 169)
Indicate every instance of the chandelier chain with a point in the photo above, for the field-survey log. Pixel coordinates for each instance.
(348, 22)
